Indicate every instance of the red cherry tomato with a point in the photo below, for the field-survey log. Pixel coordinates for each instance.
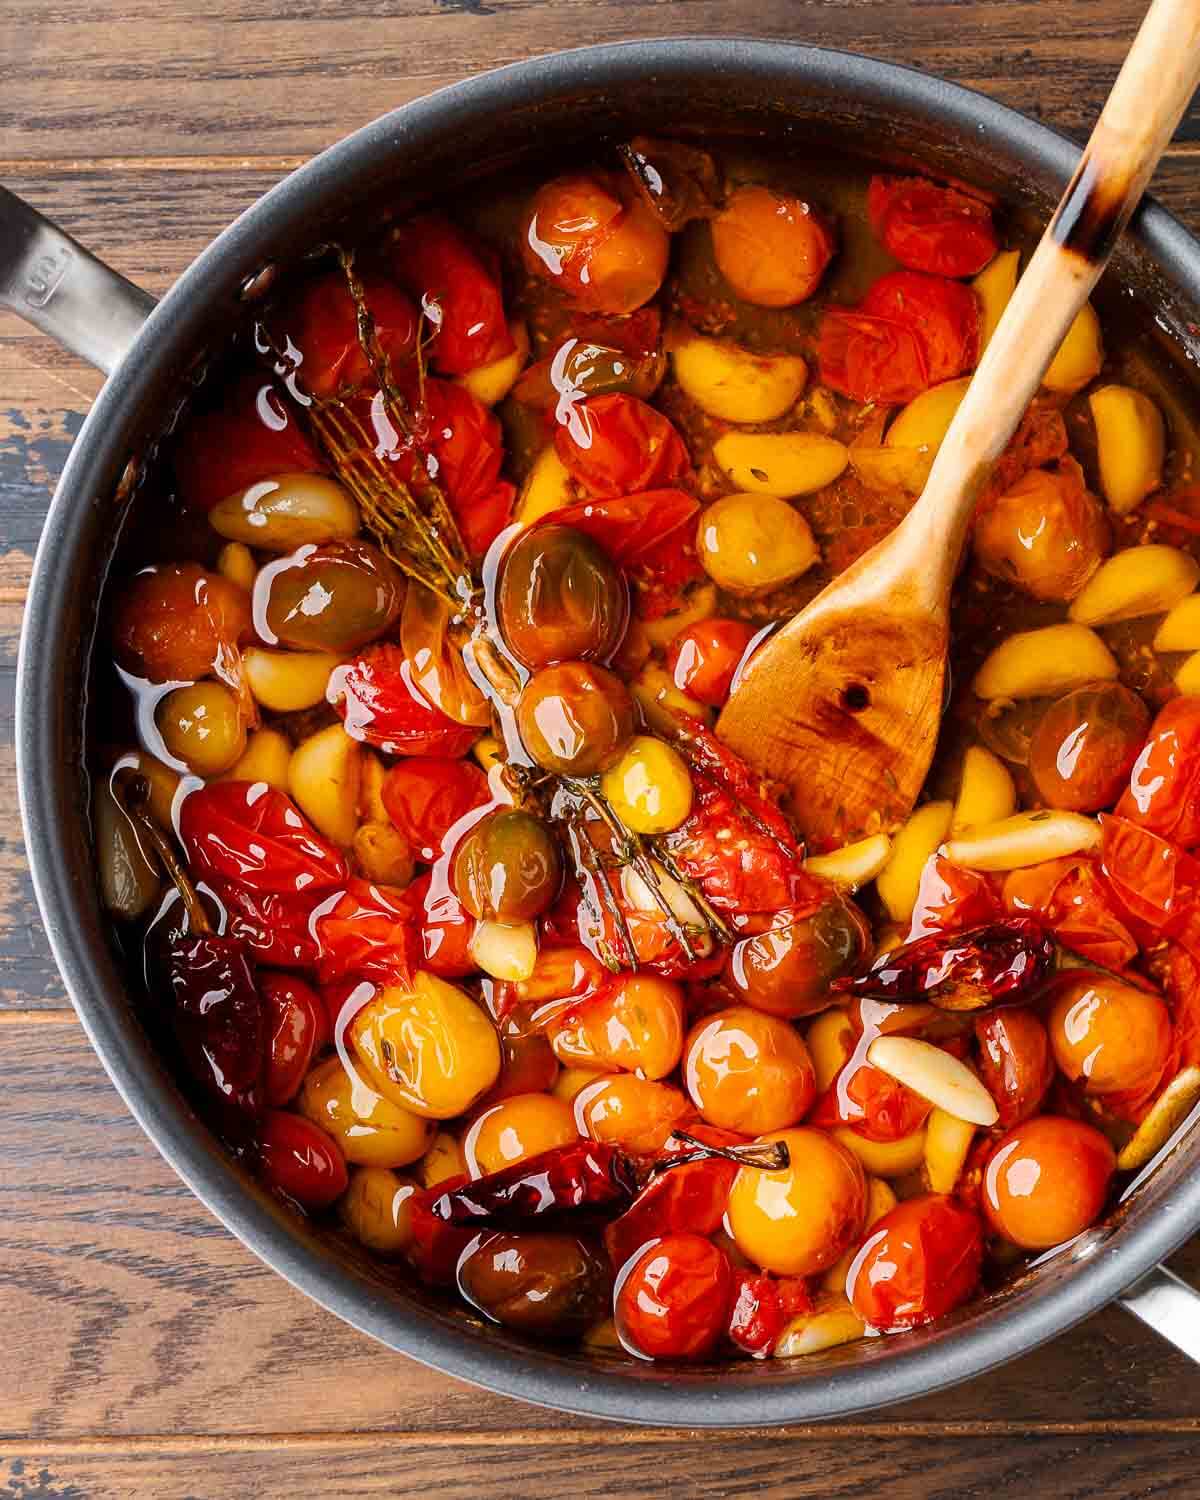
(273, 926)
(1077, 903)
(651, 535)
(252, 435)
(918, 1262)
(1164, 785)
(872, 1103)
(673, 1301)
(298, 1159)
(1086, 744)
(367, 931)
(760, 1307)
(1154, 880)
(457, 285)
(909, 332)
(249, 834)
(617, 445)
(381, 705)
(446, 929)
(703, 658)
(1015, 1062)
(690, 1197)
(951, 899)
(296, 1027)
(322, 324)
(427, 794)
(931, 228)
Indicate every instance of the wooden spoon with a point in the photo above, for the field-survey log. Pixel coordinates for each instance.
(842, 706)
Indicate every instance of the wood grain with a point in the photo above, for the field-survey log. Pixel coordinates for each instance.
(148, 1353)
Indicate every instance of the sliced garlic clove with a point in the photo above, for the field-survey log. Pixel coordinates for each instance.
(936, 1076)
(947, 1144)
(1166, 1115)
(1027, 838)
(829, 1324)
(853, 865)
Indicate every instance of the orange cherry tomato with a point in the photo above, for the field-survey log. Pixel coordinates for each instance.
(458, 286)
(872, 1103)
(425, 795)
(1046, 1181)
(703, 658)
(1109, 1036)
(748, 1072)
(918, 1262)
(930, 228)
(297, 1026)
(595, 239)
(951, 899)
(322, 325)
(1086, 744)
(1164, 786)
(298, 1159)
(771, 248)
(636, 1026)
(177, 622)
(1074, 899)
(673, 1301)
(1047, 534)
(617, 445)
(1015, 1062)
(252, 435)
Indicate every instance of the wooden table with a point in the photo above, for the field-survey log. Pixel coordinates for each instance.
(145, 1351)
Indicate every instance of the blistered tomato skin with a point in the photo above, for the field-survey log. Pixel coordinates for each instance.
(919, 1262)
(672, 1301)
(425, 795)
(801, 1219)
(301, 1161)
(703, 658)
(560, 597)
(1164, 787)
(322, 325)
(1086, 744)
(1111, 1037)
(443, 270)
(1047, 534)
(931, 228)
(637, 1026)
(1046, 1181)
(1015, 1062)
(749, 1072)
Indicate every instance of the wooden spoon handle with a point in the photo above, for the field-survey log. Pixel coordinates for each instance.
(1159, 77)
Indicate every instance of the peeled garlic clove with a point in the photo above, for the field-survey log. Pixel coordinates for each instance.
(987, 792)
(128, 881)
(637, 893)
(1027, 838)
(900, 879)
(779, 463)
(828, 1325)
(936, 1076)
(1166, 1115)
(1138, 581)
(286, 512)
(885, 1158)
(287, 681)
(1180, 631)
(323, 779)
(504, 950)
(1044, 663)
(947, 1143)
(853, 865)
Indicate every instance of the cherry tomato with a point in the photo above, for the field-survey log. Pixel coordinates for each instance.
(179, 622)
(673, 1301)
(748, 1072)
(597, 241)
(445, 930)
(252, 435)
(919, 1262)
(553, 1286)
(457, 285)
(631, 1112)
(322, 325)
(1047, 534)
(617, 445)
(296, 1027)
(652, 537)
(1015, 1062)
(425, 795)
(951, 899)
(298, 1159)
(703, 658)
(560, 597)
(1154, 880)
(1078, 904)
(333, 597)
(771, 248)
(909, 332)
(1164, 786)
(637, 1025)
(1111, 1037)
(272, 925)
(692, 1196)
(1086, 744)
(872, 1103)
(367, 931)
(787, 970)
(249, 834)
(930, 228)
(464, 441)
(507, 867)
(575, 718)
(380, 704)
(760, 1307)
(1046, 1181)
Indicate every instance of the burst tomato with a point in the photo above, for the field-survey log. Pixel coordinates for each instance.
(249, 834)
(703, 658)
(872, 1103)
(1074, 900)
(950, 899)
(427, 794)
(919, 1262)
(1015, 1062)
(930, 228)
(617, 445)
(322, 324)
(1164, 785)
(673, 1301)
(458, 286)
(381, 705)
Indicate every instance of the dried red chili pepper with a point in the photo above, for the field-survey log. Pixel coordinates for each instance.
(1002, 963)
(584, 1178)
(247, 833)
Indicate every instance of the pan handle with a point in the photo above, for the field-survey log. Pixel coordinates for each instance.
(1170, 1306)
(51, 281)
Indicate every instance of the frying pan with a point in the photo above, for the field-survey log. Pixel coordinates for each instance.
(792, 97)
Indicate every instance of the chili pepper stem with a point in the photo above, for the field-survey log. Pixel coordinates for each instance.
(767, 1156)
(133, 800)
